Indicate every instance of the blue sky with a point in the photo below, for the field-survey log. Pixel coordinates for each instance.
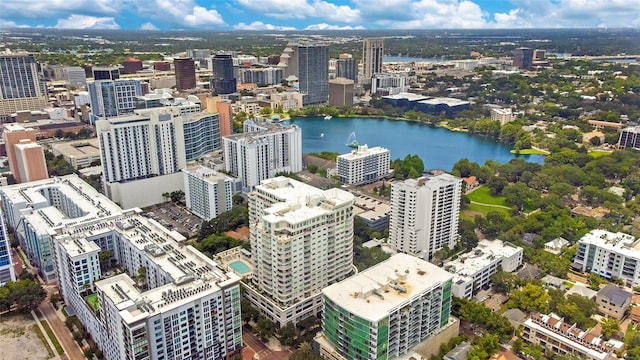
(318, 14)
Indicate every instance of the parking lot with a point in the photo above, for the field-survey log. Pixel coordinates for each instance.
(175, 218)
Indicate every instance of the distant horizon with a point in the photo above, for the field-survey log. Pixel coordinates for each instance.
(319, 15)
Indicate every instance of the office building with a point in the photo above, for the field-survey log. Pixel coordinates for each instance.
(424, 214)
(208, 192)
(198, 54)
(131, 66)
(341, 92)
(224, 79)
(372, 53)
(386, 310)
(181, 306)
(75, 76)
(105, 73)
(629, 138)
(52, 72)
(347, 67)
(20, 85)
(473, 271)
(261, 76)
(309, 63)
(363, 165)
(523, 58)
(162, 66)
(553, 333)
(301, 241)
(388, 84)
(7, 271)
(185, 71)
(35, 209)
(262, 151)
(78, 153)
(26, 157)
(610, 255)
(110, 98)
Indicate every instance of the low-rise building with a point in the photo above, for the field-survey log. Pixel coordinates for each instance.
(475, 269)
(503, 115)
(363, 165)
(613, 302)
(79, 153)
(551, 332)
(372, 211)
(386, 310)
(556, 245)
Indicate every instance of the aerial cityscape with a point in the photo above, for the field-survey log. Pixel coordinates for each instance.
(320, 179)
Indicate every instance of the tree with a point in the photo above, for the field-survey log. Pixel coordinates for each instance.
(265, 328)
(287, 335)
(304, 352)
(105, 260)
(497, 184)
(610, 327)
(594, 281)
(26, 294)
(530, 298)
(504, 281)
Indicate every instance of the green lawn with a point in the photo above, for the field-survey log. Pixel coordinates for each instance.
(52, 337)
(530, 152)
(472, 210)
(598, 153)
(92, 300)
(483, 195)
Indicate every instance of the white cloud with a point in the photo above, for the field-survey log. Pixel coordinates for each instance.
(148, 26)
(75, 21)
(258, 25)
(301, 9)
(179, 13)
(423, 14)
(39, 9)
(7, 24)
(325, 26)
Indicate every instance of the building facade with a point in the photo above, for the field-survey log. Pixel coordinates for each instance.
(208, 192)
(610, 255)
(386, 310)
(312, 62)
(363, 165)
(523, 58)
(26, 157)
(261, 76)
(185, 70)
(181, 306)
(262, 151)
(75, 76)
(341, 92)
(629, 138)
(105, 73)
(111, 98)
(425, 214)
(20, 85)
(347, 67)
(301, 241)
(224, 78)
(7, 271)
(372, 53)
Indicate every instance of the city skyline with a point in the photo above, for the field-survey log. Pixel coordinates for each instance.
(318, 14)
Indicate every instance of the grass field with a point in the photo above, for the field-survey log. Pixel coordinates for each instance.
(598, 153)
(475, 209)
(483, 195)
(530, 152)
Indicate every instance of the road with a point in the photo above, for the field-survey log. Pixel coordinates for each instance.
(63, 334)
(262, 352)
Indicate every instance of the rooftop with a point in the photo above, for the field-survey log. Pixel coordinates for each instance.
(407, 96)
(207, 174)
(615, 295)
(482, 255)
(445, 101)
(364, 151)
(377, 291)
(618, 242)
(79, 148)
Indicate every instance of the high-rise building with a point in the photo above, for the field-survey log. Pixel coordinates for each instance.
(309, 63)
(372, 53)
(301, 241)
(105, 73)
(7, 272)
(75, 76)
(341, 92)
(185, 70)
(20, 85)
(347, 67)
(523, 58)
(262, 151)
(261, 76)
(385, 311)
(226, 117)
(131, 66)
(208, 192)
(425, 214)
(33, 210)
(224, 79)
(363, 165)
(26, 157)
(199, 54)
(110, 98)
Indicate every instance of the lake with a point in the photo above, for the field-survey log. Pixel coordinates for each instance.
(438, 148)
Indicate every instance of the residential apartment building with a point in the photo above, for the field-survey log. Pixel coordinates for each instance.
(613, 301)
(7, 271)
(629, 138)
(180, 306)
(262, 151)
(26, 157)
(261, 76)
(503, 115)
(473, 270)
(301, 241)
(105, 73)
(33, 210)
(386, 310)
(20, 85)
(309, 64)
(363, 165)
(425, 214)
(553, 333)
(347, 67)
(388, 84)
(208, 192)
(111, 98)
(610, 255)
(372, 53)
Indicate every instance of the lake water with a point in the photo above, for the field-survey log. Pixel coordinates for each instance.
(438, 148)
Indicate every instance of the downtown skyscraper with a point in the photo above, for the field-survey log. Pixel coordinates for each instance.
(372, 53)
(20, 85)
